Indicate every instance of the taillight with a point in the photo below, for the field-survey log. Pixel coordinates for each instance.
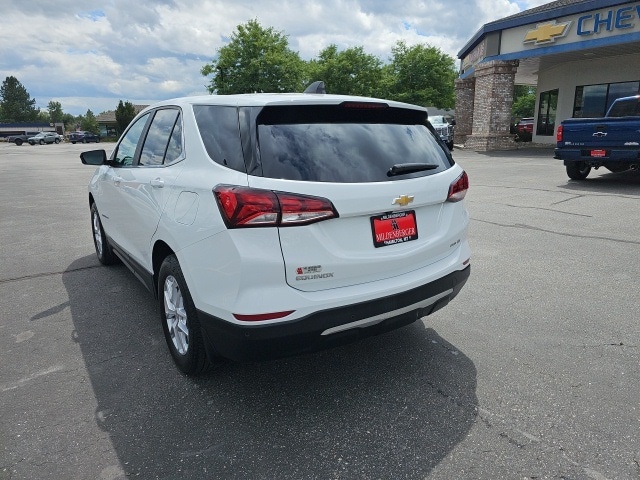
(559, 134)
(458, 188)
(243, 207)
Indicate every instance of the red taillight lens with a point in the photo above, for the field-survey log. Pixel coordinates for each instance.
(458, 189)
(559, 134)
(302, 210)
(252, 207)
(247, 207)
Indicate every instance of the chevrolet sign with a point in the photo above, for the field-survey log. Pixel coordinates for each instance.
(546, 33)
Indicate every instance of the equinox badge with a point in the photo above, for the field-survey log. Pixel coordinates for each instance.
(403, 200)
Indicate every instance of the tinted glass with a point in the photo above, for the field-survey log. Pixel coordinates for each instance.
(619, 90)
(547, 112)
(160, 130)
(174, 150)
(220, 134)
(590, 101)
(345, 145)
(626, 108)
(127, 148)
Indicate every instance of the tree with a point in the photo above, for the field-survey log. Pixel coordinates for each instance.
(422, 75)
(124, 114)
(89, 123)
(42, 117)
(69, 121)
(524, 102)
(16, 104)
(255, 60)
(349, 72)
(55, 112)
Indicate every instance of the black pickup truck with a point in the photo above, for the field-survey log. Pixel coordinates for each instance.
(612, 142)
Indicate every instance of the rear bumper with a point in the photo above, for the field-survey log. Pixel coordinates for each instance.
(612, 155)
(329, 328)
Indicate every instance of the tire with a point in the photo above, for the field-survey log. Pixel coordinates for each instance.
(18, 142)
(578, 170)
(450, 146)
(104, 252)
(84, 140)
(73, 142)
(97, 140)
(41, 142)
(57, 140)
(179, 319)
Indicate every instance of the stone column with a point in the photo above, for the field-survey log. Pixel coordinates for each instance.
(492, 106)
(465, 93)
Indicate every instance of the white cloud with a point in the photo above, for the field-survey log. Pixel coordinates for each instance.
(91, 54)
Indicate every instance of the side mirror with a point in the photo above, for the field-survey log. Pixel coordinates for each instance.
(94, 157)
(453, 122)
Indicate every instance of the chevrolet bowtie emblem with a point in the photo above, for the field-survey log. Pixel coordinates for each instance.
(546, 32)
(403, 200)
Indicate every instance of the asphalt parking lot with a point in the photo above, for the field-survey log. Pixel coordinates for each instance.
(533, 371)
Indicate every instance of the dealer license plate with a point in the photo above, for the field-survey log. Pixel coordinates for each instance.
(598, 153)
(395, 227)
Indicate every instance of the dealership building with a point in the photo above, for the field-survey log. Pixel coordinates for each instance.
(580, 55)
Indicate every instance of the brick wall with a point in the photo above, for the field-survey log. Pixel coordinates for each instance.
(493, 98)
(465, 93)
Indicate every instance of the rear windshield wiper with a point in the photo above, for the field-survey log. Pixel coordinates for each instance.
(401, 168)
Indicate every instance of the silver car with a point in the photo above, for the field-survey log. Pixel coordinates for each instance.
(44, 137)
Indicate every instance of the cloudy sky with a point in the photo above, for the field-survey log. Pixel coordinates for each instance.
(90, 54)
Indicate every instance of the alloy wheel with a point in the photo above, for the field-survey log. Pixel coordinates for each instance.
(97, 233)
(175, 314)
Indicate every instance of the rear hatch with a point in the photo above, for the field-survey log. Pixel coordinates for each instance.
(388, 177)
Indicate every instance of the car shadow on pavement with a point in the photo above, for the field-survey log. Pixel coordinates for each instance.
(621, 183)
(391, 406)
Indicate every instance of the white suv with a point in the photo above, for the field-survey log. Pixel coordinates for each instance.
(275, 224)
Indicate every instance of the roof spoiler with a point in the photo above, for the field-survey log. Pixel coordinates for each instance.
(316, 87)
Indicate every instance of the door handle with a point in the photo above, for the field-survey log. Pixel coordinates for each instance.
(157, 182)
(117, 180)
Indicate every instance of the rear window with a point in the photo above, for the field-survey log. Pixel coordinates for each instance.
(625, 108)
(346, 144)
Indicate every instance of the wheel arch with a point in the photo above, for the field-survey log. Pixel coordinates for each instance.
(161, 250)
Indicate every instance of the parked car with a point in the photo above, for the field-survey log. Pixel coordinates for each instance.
(275, 224)
(524, 129)
(22, 138)
(612, 142)
(444, 128)
(44, 137)
(83, 137)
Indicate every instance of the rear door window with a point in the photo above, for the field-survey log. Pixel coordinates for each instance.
(348, 143)
(163, 144)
